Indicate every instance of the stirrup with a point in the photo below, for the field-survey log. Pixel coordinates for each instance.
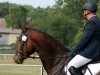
(74, 71)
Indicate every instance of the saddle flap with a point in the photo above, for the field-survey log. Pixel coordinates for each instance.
(91, 69)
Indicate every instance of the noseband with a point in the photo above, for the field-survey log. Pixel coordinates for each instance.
(24, 37)
(24, 46)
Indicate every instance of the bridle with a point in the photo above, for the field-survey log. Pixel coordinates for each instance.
(24, 46)
(24, 42)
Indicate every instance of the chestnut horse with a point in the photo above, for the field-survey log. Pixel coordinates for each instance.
(52, 54)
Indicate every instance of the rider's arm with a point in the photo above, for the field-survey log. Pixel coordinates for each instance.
(87, 34)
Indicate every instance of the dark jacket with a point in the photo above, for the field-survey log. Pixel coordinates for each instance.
(89, 45)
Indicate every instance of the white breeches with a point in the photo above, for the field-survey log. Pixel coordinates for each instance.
(77, 62)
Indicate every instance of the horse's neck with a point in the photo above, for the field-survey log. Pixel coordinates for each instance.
(53, 63)
(49, 50)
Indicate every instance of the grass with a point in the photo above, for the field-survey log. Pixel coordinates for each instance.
(6, 51)
(8, 59)
(16, 70)
(19, 71)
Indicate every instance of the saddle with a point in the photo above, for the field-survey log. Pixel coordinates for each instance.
(91, 68)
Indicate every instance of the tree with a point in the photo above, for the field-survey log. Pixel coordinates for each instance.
(4, 9)
(17, 15)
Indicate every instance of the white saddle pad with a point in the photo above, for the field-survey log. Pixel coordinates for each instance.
(94, 68)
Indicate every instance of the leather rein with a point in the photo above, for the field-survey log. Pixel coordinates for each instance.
(24, 41)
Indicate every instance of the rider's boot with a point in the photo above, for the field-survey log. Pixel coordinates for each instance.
(74, 71)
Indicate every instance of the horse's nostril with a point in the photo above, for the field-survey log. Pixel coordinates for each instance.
(19, 62)
(18, 59)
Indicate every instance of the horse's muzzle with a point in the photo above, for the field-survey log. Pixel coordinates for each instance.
(18, 59)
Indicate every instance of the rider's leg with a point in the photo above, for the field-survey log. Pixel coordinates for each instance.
(74, 71)
(77, 62)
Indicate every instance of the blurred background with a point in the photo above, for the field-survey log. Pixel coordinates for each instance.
(61, 19)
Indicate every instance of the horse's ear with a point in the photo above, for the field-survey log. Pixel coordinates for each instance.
(24, 27)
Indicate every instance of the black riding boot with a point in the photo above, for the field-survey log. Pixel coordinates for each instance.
(74, 71)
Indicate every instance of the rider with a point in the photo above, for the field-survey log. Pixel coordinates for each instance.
(88, 48)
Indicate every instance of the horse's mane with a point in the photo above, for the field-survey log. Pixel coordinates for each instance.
(51, 52)
(48, 38)
(43, 35)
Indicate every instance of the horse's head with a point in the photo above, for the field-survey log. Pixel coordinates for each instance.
(25, 48)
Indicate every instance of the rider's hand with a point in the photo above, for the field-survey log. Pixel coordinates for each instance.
(72, 53)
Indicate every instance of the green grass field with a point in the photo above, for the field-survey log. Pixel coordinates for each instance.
(19, 70)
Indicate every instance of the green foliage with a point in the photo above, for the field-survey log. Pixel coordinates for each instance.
(17, 15)
(76, 39)
(4, 9)
(61, 27)
(63, 21)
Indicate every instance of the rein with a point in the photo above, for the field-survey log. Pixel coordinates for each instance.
(24, 46)
(55, 69)
(58, 67)
(33, 56)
